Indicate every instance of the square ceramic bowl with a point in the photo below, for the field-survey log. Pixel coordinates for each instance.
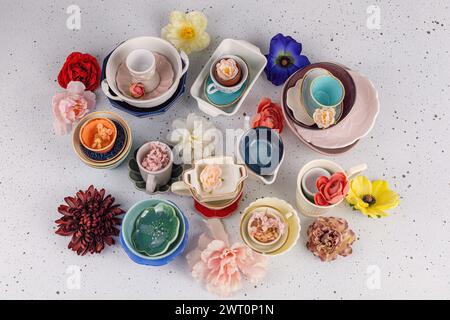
(175, 248)
(256, 63)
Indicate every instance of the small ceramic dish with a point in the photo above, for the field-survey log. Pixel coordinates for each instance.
(114, 161)
(232, 177)
(116, 151)
(218, 211)
(255, 60)
(174, 250)
(146, 112)
(262, 150)
(155, 45)
(290, 217)
(155, 229)
(336, 70)
(271, 213)
(136, 177)
(89, 130)
(221, 99)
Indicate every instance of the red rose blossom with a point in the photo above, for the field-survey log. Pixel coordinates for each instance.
(80, 67)
(331, 190)
(269, 115)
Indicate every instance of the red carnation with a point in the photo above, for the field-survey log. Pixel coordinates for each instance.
(80, 67)
(269, 115)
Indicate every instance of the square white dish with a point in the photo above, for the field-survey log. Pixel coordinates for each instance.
(255, 60)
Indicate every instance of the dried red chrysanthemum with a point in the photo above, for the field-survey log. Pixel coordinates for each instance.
(90, 219)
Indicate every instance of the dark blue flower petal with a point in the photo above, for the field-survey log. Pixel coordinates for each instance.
(277, 45)
(301, 61)
(277, 75)
(293, 47)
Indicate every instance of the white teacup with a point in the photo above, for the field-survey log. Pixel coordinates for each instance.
(154, 179)
(216, 86)
(141, 63)
(308, 207)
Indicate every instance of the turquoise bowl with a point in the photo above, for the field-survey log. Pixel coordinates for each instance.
(175, 249)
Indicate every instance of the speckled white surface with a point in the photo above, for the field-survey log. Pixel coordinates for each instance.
(407, 59)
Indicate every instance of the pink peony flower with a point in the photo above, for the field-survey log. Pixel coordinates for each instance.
(331, 190)
(137, 90)
(211, 178)
(71, 105)
(221, 266)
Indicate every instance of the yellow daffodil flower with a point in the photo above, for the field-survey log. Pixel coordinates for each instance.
(371, 198)
(186, 31)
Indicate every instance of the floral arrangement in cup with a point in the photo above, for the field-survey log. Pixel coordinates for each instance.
(284, 58)
(324, 117)
(211, 178)
(193, 138)
(71, 105)
(186, 31)
(332, 190)
(137, 90)
(222, 266)
(80, 67)
(330, 237)
(269, 115)
(372, 198)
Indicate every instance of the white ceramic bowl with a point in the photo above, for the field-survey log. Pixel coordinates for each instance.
(153, 44)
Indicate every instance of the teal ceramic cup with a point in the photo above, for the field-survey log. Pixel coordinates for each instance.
(326, 91)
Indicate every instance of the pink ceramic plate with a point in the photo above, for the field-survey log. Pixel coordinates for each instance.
(355, 126)
(166, 75)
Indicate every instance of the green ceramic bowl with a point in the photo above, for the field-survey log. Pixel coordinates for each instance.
(129, 222)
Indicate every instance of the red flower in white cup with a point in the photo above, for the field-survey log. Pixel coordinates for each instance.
(331, 190)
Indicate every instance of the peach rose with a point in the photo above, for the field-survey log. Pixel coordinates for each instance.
(211, 178)
(331, 190)
(324, 117)
(137, 90)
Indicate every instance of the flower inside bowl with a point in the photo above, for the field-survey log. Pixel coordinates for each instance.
(266, 226)
(128, 225)
(262, 150)
(98, 135)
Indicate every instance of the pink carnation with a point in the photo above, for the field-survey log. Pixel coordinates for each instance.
(71, 105)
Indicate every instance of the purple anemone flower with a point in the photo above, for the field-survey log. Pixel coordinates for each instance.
(284, 59)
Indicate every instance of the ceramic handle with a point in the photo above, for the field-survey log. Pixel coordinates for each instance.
(244, 173)
(150, 184)
(105, 88)
(180, 188)
(353, 171)
(185, 59)
(211, 89)
(249, 46)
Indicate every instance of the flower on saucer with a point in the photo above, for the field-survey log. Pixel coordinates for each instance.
(222, 266)
(269, 115)
(284, 59)
(211, 178)
(372, 198)
(186, 31)
(329, 237)
(137, 90)
(193, 138)
(324, 117)
(331, 190)
(71, 105)
(80, 67)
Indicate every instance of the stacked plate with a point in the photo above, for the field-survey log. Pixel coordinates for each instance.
(354, 119)
(119, 150)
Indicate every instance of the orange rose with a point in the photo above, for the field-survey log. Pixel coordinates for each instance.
(269, 115)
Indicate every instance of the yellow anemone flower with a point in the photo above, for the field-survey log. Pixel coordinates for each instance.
(186, 31)
(371, 198)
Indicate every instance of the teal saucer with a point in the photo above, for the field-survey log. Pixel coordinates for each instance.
(221, 99)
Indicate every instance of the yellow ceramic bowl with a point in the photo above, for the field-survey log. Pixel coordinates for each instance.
(113, 162)
(290, 216)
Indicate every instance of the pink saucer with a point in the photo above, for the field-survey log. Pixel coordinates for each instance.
(164, 69)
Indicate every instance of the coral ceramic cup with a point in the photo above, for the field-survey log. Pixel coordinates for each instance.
(155, 178)
(308, 207)
(291, 220)
(89, 130)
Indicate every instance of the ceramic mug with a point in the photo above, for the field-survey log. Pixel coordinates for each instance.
(327, 91)
(141, 63)
(306, 206)
(216, 86)
(153, 179)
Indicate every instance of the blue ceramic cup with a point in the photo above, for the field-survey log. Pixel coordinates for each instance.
(326, 91)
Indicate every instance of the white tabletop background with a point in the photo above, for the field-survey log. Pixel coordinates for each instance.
(407, 59)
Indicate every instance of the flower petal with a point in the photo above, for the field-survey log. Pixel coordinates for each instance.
(361, 186)
(198, 20)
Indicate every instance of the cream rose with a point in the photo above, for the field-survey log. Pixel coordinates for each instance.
(211, 178)
(227, 69)
(324, 117)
